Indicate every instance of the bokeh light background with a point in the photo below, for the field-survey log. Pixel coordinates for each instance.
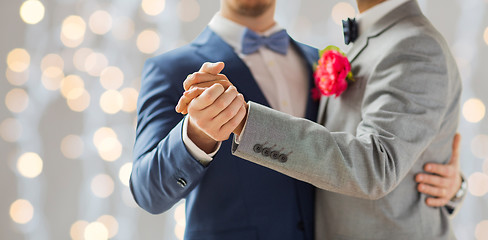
(70, 74)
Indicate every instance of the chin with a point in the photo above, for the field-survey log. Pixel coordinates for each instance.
(252, 8)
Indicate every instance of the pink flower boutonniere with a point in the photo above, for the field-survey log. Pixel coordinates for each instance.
(332, 73)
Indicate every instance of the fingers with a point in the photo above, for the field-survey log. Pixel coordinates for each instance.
(455, 149)
(445, 170)
(433, 180)
(432, 191)
(199, 77)
(224, 83)
(207, 97)
(222, 103)
(444, 179)
(233, 123)
(212, 68)
(230, 111)
(436, 202)
(214, 109)
(241, 97)
(186, 98)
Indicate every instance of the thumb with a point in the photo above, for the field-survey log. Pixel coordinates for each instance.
(212, 68)
(455, 149)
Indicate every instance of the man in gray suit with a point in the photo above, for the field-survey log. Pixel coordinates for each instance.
(401, 112)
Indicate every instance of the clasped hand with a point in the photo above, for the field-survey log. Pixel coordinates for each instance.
(213, 104)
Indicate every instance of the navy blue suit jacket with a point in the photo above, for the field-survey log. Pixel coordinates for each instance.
(230, 198)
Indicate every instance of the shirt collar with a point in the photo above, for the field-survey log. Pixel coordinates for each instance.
(231, 32)
(368, 18)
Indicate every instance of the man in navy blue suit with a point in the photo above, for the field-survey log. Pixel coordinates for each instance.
(226, 198)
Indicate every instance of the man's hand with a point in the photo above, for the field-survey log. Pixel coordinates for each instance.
(208, 75)
(443, 181)
(216, 111)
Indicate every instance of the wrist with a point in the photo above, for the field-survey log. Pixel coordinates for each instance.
(238, 129)
(200, 138)
(461, 192)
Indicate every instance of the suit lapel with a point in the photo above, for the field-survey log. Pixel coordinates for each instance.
(212, 48)
(408, 9)
(311, 56)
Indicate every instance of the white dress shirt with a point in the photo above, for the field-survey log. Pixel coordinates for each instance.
(283, 79)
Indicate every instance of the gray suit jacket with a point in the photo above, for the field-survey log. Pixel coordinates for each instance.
(401, 112)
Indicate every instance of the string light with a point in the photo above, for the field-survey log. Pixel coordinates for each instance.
(70, 83)
(188, 10)
(124, 173)
(78, 99)
(485, 35)
(77, 230)
(112, 78)
(129, 96)
(96, 231)
(95, 63)
(110, 223)
(51, 78)
(10, 130)
(79, 58)
(21, 211)
(102, 186)
(32, 11)
(29, 165)
(148, 41)
(17, 100)
(17, 78)
(153, 7)
(473, 110)
(111, 101)
(72, 146)
(342, 10)
(100, 22)
(478, 184)
(18, 60)
(73, 31)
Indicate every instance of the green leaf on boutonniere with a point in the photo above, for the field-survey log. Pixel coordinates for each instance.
(332, 47)
(350, 77)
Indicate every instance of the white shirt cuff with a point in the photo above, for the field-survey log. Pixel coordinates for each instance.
(194, 150)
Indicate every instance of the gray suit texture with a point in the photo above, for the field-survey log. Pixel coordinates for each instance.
(402, 112)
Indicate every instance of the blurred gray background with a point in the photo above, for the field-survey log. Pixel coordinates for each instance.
(69, 76)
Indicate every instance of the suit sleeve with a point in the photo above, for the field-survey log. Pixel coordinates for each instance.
(163, 171)
(401, 115)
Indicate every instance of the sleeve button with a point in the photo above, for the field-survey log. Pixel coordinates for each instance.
(266, 152)
(275, 155)
(181, 182)
(283, 158)
(257, 148)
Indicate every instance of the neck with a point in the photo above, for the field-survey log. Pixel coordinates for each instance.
(258, 24)
(364, 5)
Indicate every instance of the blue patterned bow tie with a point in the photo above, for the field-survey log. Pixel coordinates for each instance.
(277, 42)
(350, 28)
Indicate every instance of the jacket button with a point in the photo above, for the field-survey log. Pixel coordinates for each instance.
(275, 155)
(266, 152)
(283, 158)
(257, 148)
(181, 182)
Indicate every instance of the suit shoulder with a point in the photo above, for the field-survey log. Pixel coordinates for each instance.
(177, 55)
(309, 50)
(418, 33)
(174, 64)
